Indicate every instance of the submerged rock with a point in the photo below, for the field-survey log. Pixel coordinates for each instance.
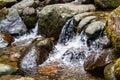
(34, 55)
(53, 17)
(98, 59)
(13, 23)
(5, 39)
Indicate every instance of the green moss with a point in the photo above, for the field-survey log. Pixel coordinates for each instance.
(30, 21)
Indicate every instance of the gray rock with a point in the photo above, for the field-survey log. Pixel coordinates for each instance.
(95, 27)
(78, 17)
(85, 21)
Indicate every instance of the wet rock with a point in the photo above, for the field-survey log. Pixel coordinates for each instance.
(107, 4)
(26, 3)
(7, 3)
(29, 17)
(5, 39)
(74, 55)
(117, 68)
(94, 28)
(113, 29)
(50, 69)
(6, 69)
(84, 22)
(13, 23)
(53, 17)
(97, 59)
(34, 55)
(84, 1)
(109, 72)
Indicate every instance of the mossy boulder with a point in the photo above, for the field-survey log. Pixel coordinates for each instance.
(113, 29)
(53, 17)
(117, 68)
(107, 4)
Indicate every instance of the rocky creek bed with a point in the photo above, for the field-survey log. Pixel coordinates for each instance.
(59, 40)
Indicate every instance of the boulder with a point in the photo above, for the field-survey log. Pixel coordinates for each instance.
(53, 17)
(7, 3)
(95, 28)
(98, 59)
(84, 1)
(13, 23)
(113, 29)
(34, 55)
(25, 3)
(29, 17)
(5, 39)
(107, 4)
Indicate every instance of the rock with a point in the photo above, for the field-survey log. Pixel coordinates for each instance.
(117, 68)
(4, 12)
(84, 1)
(107, 4)
(109, 72)
(55, 1)
(113, 29)
(13, 23)
(94, 28)
(53, 17)
(74, 55)
(84, 22)
(26, 3)
(5, 39)
(29, 17)
(50, 69)
(80, 16)
(25, 78)
(7, 3)
(6, 69)
(98, 59)
(34, 55)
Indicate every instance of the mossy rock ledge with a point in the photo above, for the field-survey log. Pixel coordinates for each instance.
(113, 29)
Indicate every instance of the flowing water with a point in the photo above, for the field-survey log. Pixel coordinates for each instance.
(70, 50)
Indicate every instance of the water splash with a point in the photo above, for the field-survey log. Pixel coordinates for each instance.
(67, 32)
(28, 36)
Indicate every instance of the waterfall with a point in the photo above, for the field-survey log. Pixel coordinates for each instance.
(28, 37)
(67, 32)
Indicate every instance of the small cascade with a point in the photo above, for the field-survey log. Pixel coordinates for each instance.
(67, 32)
(28, 37)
